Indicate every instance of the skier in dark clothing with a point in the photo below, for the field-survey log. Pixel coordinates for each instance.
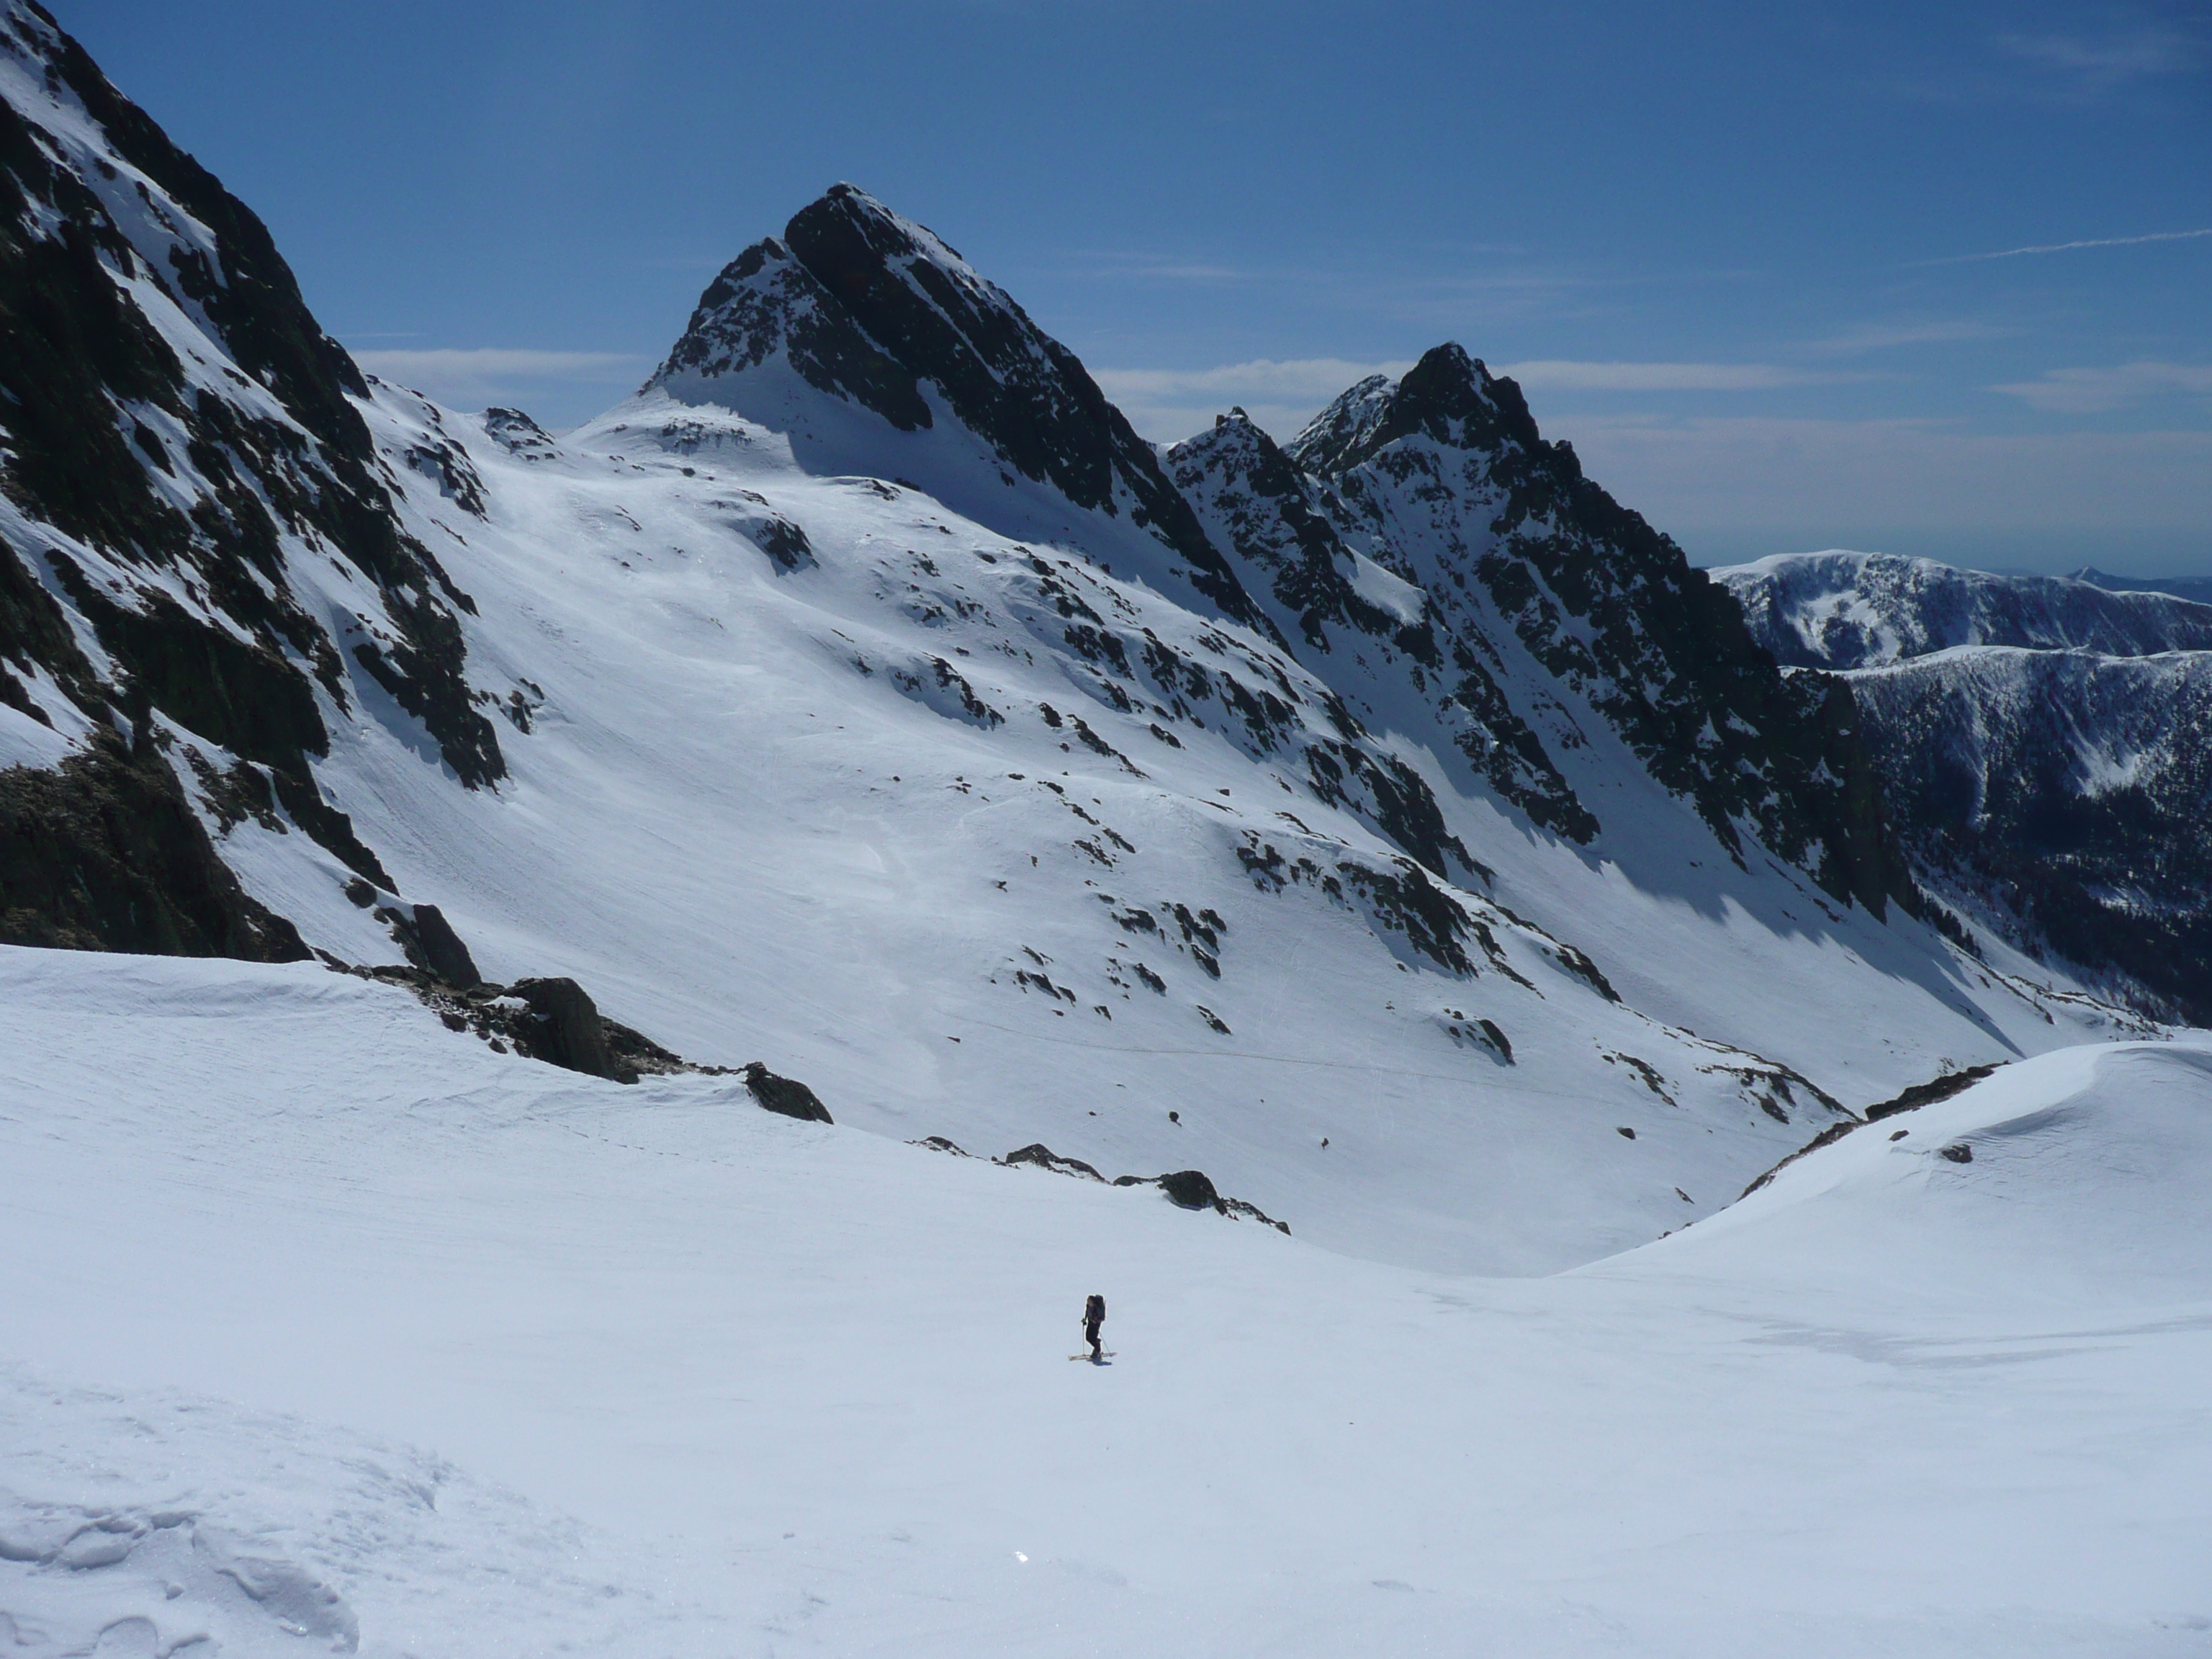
(1094, 1316)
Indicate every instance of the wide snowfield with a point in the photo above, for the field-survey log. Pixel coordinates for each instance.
(325, 1325)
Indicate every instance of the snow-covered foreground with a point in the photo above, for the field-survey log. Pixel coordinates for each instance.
(686, 1377)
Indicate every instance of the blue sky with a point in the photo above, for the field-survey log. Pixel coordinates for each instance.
(1935, 279)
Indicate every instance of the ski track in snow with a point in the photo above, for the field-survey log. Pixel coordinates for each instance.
(342, 1326)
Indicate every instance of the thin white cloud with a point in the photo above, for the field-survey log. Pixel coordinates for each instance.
(1562, 374)
(1884, 337)
(2103, 64)
(1264, 378)
(1280, 394)
(2067, 247)
(1283, 394)
(2094, 391)
(493, 364)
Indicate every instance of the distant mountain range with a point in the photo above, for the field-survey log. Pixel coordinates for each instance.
(2045, 745)
(2198, 588)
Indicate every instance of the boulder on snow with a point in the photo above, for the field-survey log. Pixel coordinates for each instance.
(1192, 1190)
(785, 1095)
(567, 1030)
(1045, 1158)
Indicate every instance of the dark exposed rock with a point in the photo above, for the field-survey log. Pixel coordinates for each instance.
(566, 1029)
(1958, 1152)
(518, 435)
(104, 853)
(1575, 963)
(1288, 533)
(1927, 1093)
(1191, 1189)
(443, 953)
(1909, 1100)
(536, 1022)
(785, 542)
(1406, 903)
(785, 1095)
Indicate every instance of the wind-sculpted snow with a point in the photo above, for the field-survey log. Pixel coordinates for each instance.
(1866, 610)
(398, 1346)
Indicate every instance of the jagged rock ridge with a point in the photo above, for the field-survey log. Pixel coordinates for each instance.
(183, 467)
(1444, 478)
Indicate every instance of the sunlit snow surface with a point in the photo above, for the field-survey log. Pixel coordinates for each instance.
(322, 1316)
(755, 814)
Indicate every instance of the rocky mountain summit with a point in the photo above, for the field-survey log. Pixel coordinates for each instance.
(983, 410)
(1445, 474)
(2043, 745)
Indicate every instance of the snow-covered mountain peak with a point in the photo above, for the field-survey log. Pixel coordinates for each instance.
(850, 240)
(765, 303)
(876, 348)
(1445, 477)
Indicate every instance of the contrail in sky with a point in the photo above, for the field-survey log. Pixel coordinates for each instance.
(2065, 248)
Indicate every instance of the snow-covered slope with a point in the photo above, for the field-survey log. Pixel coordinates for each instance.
(412, 1349)
(1031, 799)
(2045, 745)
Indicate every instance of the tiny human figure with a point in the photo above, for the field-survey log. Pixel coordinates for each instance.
(1094, 1316)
